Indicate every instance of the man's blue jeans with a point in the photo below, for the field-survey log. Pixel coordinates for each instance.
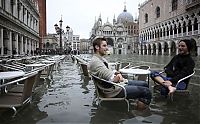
(138, 89)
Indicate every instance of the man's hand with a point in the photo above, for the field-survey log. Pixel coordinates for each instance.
(118, 78)
(117, 72)
(167, 83)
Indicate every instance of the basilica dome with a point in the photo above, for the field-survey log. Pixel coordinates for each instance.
(124, 17)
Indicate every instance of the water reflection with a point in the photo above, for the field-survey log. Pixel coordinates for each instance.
(85, 81)
(116, 112)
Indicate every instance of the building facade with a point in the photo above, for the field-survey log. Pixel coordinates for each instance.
(121, 34)
(42, 21)
(50, 44)
(84, 46)
(162, 23)
(19, 27)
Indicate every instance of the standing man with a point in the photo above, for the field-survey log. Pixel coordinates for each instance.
(99, 67)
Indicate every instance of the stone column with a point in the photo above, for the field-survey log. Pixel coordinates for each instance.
(162, 33)
(199, 26)
(143, 50)
(169, 31)
(169, 51)
(192, 23)
(163, 47)
(10, 42)
(17, 44)
(1, 42)
(140, 51)
(165, 32)
(15, 8)
(182, 29)
(173, 30)
(186, 28)
(156, 51)
(177, 30)
(198, 50)
(25, 52)
(22, 45)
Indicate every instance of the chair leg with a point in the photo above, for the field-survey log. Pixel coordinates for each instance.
(127, 104)
(15, 111)
(171, 97)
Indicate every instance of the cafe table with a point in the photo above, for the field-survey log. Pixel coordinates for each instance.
(9, 75)
(33, 66)
(136, 71)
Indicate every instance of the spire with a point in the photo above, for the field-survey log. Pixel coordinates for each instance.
(99, 19)
(107, 19)
(99, 15)
(114, 20)
(125, 10)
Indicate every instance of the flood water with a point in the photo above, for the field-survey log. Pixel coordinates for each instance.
(70, 98)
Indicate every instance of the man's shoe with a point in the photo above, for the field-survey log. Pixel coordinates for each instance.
(141, 105)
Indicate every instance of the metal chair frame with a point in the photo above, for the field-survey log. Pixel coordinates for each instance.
(99, 86)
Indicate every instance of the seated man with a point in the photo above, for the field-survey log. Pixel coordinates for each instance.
(99, 67)
(179, 67)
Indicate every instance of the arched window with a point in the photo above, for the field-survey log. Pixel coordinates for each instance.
(47, 44)
(174, 5)
(119, 46)
(146, 18)
(157, 12)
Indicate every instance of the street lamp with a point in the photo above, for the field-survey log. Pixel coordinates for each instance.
(59, 31)
(68, 47)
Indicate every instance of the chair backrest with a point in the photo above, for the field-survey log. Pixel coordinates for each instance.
(125, 65)
(28, 85)
(84, 69)
(142, 67)
(103, 86)
(142, 77)
(187, 79)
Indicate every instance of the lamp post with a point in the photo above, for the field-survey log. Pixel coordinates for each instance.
(68, 47)
(59, 31)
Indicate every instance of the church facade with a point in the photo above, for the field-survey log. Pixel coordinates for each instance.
(121, 34)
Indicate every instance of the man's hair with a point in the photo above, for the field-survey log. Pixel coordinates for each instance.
(98, 42)
(188, 43)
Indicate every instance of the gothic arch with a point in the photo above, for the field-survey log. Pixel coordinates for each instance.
(148, 49)
(153, 49)
(166, 48)
(159, 47)
(173, 48)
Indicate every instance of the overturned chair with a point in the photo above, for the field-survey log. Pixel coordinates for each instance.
(16, 100)
(103, 86)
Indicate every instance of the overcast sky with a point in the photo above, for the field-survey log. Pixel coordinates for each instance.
(80, 14)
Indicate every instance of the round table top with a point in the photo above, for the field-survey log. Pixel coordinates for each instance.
(11, 74)
(135, 71)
